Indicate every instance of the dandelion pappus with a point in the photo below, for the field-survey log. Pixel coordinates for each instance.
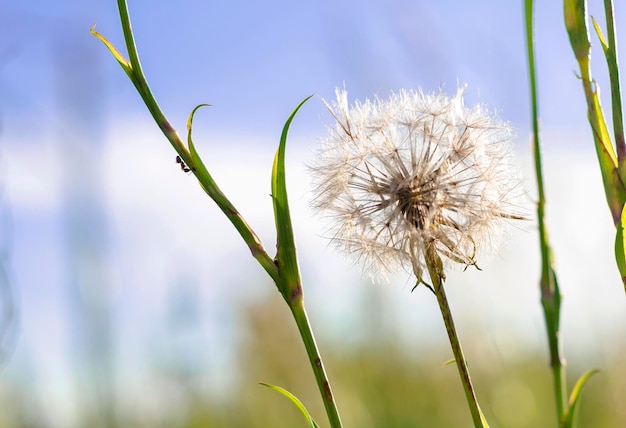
(183, 166)
(417, 181)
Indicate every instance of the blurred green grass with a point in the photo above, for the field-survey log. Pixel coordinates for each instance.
(377, 384)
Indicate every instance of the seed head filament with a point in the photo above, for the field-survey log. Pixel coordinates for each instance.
(415, 181)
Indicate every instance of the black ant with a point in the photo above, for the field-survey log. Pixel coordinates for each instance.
(183, 167)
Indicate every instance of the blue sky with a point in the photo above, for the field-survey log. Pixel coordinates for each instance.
(254, 61)
(69, 119)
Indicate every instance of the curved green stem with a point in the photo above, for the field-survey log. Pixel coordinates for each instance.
(139, 80)
(300, 316)
(133, 70)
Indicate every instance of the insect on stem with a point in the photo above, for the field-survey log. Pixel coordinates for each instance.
(183, 166)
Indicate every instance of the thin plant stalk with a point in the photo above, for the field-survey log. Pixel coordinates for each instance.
(300, 316)
(436, 275)
(550, 293)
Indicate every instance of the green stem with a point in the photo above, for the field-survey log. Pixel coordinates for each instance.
(436, 275)
(141, 84)
(550, 293)
(133, 69)
(300, 316)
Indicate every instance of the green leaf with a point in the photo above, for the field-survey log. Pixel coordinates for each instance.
(613, 185)
(620, 246)
(286, 257)
(450, 361)
(192, 148)
(609, 47)
(194, 162)
(570, 417)
(603, 42)
(295, 401)
(118, 56)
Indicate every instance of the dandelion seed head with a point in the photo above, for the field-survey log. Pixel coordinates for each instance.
(400, 178)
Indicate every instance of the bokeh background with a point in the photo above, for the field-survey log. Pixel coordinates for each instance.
(128, 300)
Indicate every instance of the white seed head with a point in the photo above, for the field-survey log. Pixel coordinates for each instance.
(401, 177)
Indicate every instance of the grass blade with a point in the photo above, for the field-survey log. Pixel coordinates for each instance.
(286, 257)
(570, 417)
(295, 401)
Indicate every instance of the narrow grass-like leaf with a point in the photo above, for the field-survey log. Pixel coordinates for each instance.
(286, 257)
(295, 401)
(118, 56)
(194, 162)
(570, 417)
(620, 246)
(192, 149)
(603, 42)
(450, 361)
(609, 46)
(610, 54)
(613, 184)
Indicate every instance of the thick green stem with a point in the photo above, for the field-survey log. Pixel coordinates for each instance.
(436, 275)
(300, 316)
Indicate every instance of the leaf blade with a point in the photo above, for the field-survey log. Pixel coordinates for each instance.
(116, 54)
(286, 257)
(620, 246)
(295, 401)
(570, 417)
(208, 184)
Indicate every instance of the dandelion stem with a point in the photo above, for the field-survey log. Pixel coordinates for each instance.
(436, 274)
(300, 316)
